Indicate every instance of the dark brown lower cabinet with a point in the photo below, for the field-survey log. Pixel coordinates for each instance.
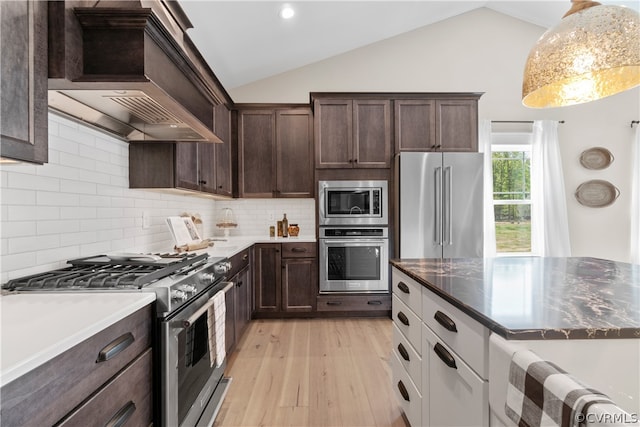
(74, 389)
(355, 304)
(238, 299)
(285, 279)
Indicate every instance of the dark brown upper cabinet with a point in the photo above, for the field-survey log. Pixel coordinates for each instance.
(275, 152)
(201, 167)
(352, 133)
(23, 70)
(444, 123)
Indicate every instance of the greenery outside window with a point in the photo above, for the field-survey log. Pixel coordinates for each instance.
(512, 193)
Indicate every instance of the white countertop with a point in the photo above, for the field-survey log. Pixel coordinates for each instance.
(233, 245)
(35, 328)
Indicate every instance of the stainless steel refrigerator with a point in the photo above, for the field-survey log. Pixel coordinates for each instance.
(441, 205)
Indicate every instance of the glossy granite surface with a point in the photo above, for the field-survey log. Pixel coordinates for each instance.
(538, 298)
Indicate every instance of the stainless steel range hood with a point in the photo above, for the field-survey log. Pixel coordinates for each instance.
(131, 70)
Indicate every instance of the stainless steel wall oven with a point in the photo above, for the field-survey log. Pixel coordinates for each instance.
(354, 259)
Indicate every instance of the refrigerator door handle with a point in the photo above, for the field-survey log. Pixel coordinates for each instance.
(448, 226)
(436, 204)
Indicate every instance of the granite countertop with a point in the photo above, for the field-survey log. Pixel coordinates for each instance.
(35, 328)
(529, 298)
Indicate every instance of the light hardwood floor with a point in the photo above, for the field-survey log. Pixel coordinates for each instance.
(312, 372)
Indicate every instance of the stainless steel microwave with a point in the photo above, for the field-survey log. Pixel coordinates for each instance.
(352, 203)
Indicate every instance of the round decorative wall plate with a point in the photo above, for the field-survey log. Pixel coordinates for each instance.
(597, 193)
(596, 158)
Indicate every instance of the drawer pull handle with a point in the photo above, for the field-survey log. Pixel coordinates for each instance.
(299, 250)
(240, 283)
(334, 302)
(374, 302)
(245, 257)
(445, 356)
(121, 417)
(403, 318)
(403, 391)
(403, 287)
(115, 347)
(403, 352)
(445, 321)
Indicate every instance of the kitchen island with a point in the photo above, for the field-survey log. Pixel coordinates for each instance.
(583, 314)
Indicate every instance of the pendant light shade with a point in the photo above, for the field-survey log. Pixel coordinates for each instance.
(592, 53)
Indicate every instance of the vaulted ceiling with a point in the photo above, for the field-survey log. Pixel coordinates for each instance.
(245, 41)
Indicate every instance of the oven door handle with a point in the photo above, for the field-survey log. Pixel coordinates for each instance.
(357, 241)
(199, 312)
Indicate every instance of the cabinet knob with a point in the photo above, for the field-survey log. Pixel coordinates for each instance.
(220, 187)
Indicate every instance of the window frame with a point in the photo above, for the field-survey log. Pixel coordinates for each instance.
(523, 143)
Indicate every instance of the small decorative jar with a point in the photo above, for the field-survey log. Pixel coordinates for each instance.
(294, 230)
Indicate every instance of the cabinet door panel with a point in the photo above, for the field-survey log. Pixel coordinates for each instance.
(415, 122)
(267, 277)
(457, 128)
(187, 166)
(298, 284)
(243, 301)
(23, 71)
(257, 153)
(294, 148)
(372, 140)
(223, 152)
(458, 397)
(230, 303)
(333, 128)
(206, 167)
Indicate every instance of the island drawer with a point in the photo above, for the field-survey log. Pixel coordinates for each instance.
(408, 291)
(406, 392)
(47, 393)
(408, 356)
(407, 322)
(465, 336)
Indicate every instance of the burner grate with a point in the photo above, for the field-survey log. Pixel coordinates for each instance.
(101, 272)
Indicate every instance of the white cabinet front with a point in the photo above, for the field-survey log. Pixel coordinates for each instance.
(457, 395)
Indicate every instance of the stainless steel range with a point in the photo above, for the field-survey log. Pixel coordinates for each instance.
(190, 385)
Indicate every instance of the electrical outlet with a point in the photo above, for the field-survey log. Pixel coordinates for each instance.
(146, 220)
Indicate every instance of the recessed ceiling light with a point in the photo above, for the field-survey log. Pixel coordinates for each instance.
(287, 12)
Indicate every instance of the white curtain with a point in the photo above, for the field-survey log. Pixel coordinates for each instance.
(550, 225)
(635, 199)
(484, 136)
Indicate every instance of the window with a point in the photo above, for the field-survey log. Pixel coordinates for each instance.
(511, 158)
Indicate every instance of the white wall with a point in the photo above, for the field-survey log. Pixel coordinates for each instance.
(485, 51)
(79, 204)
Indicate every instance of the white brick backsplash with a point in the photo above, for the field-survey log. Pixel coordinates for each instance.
(77, 187)
(21, 213)
(26, 244)
(18, 228)
(50, 198)
(57, 227)
(80, 204)
(11, 196)
(32, 182)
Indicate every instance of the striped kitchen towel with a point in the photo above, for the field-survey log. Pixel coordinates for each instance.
(216, 323)
(541, 394)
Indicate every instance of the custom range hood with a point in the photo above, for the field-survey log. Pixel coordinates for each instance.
(129, 68)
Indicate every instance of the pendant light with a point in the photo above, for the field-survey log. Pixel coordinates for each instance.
(592, 53)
